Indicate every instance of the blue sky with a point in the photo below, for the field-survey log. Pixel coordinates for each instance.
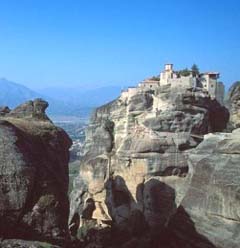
(76, 43)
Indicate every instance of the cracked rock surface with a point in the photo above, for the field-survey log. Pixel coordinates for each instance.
(152, 169)
(33, 175)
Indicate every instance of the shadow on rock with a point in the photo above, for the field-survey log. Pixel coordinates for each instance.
(153, 220)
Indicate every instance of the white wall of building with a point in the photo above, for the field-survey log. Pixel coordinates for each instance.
(149, 85)
(166, 74)
(215, 89)
(183, 82)
(132, 91)
(168, 77)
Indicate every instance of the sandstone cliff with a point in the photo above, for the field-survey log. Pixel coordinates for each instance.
(233, 104)
(212, 198)
(33, 175)
(140, 171)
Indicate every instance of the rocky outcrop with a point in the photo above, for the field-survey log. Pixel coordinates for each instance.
(33, 175)
(14, 243)
(4, 110)
(212, 199)
(137, 168)
(31, 110)
(233, 104)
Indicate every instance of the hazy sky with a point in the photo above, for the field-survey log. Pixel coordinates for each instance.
(100, 42)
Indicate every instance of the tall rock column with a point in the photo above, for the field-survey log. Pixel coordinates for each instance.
(33, 175)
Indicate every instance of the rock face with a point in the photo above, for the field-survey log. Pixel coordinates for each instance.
(33, 175)
(233, 104)
(213, 196)
(138, 171)
(15, 243)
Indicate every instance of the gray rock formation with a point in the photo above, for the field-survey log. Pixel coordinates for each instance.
(31, 109)
(213, 196)
(15, 243)
(4, 110)
(233, 104)
(137, 167)
(33, 175)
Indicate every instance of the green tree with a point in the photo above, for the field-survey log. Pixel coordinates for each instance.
(155, 78)
(185, 72)
(195, 70)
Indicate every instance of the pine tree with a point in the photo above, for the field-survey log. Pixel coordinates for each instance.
(195, 70)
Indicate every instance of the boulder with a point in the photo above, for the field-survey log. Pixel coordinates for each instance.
(31, 109)
(33, 175)
(213, 197)
(4, 110)
(17, 243)
(233, 104)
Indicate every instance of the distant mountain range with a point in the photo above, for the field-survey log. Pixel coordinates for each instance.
(13, 94)
(83, 97)
(62, 101)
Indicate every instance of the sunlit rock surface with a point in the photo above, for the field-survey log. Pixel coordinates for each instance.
(141, 167)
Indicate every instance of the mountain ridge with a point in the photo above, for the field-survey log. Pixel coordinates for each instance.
(62, 100)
